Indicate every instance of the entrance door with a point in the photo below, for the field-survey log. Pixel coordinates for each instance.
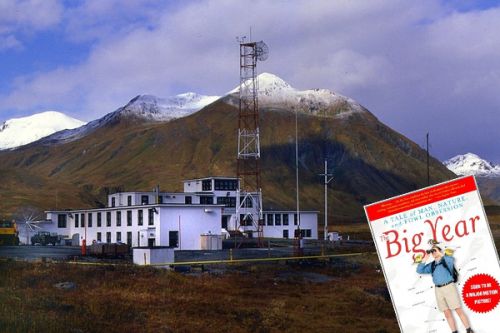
(151, 242)
(173, 239)
(224, 221)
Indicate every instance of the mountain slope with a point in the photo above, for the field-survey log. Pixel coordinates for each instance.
(369, 160)
(20, 131)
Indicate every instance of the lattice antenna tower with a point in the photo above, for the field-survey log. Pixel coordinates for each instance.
(249, 196)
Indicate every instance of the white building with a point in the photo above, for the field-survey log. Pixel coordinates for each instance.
(177, 220)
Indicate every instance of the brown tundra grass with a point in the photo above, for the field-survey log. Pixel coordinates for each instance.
(256, 298)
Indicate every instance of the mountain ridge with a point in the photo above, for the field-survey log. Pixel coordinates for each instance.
(370, 161)
(472, 164)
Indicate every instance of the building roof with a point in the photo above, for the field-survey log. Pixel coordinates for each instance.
(133, 207)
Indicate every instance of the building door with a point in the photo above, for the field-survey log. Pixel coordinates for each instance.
(173, 239)
(224, 221)
(151, 242)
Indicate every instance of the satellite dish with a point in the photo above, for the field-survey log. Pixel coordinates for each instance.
(30, 222)
(261, 51)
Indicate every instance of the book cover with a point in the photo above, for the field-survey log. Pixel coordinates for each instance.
(439, 258)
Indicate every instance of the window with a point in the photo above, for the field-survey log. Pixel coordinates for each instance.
(226, 184)
(269, 219)
(285, 233)
(295, 221)
(245, 220)
(108, 237)
(248, 202)
(173, 238)
(90, 220)
(113, 201)
(285, 219)
(277, 219)
(204, 200)
(305, 232)
(140, 217)
(118, 219)
(82, 220)
(61, 220)
(129, 218)
(99, 220)
(151, 217)
(227, 201)
(129, 200)
(118, 236)
(99, 237)
(108, 219)
(77, 218)
(188, 200)
(206, 185)
(129, 238)
(144, 200)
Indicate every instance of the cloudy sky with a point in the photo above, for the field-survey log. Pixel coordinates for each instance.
(419, 66)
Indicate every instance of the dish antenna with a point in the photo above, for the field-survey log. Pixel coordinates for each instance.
(29, 220)
(261, 51)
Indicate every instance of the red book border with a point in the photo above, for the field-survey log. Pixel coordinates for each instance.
(420, 198)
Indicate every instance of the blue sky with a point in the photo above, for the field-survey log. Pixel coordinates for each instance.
(419, 66)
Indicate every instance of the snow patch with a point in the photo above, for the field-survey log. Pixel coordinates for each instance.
(17, 132)
(471, 164)
(275, 92)
(154, 108)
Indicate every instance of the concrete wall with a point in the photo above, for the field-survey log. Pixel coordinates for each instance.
(195, 220)
(190, 226)
(148, 256)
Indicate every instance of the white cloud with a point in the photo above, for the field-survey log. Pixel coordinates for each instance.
(9, 42)
(22, 18)
(408, 62)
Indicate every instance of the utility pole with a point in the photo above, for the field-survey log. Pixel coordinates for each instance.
(428, 173)
(328, 178)
(297, 169)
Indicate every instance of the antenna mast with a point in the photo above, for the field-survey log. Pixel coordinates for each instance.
(249, 194)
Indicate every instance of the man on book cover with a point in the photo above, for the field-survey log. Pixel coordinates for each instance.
(447, 296)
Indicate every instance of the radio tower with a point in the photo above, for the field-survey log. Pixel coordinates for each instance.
(249, 194)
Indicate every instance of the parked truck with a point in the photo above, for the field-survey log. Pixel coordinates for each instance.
(8, 233)
(112, 250)
(44, 238)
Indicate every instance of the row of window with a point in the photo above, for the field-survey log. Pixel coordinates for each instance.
(117, 239)
(144, 200)
(279, 219)
(303, 233)
(219, 185)
(173, 238)
(80, 219)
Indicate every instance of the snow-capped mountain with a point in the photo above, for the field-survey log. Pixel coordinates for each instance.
(143, 107)
(20, 131)
(471, 164)
(163, 109)
(275, 92)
